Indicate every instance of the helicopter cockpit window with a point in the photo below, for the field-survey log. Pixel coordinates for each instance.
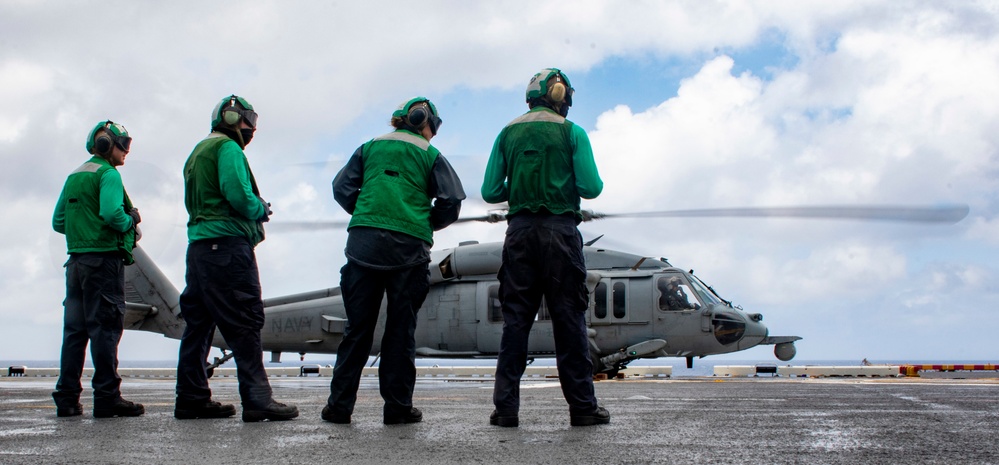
(674, 294)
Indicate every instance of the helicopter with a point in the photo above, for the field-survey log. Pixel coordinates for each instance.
(630, 315)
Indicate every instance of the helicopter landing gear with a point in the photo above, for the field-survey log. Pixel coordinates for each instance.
(612, 364)
(601, 365)
(613, 372)
(210, 367)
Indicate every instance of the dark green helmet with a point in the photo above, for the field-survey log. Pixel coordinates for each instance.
(415, 114)
(231, 109)
(557, 92)
(113, 134)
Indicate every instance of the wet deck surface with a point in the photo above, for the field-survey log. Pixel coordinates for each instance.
(699, 420)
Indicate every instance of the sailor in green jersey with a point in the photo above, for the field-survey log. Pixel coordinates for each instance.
(542, 164)
(226, 216)
(100, 225)
(398, 189)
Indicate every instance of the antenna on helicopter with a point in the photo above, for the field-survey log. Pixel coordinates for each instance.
(593, 241)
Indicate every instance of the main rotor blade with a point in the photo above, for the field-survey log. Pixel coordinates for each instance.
(917, 214)
(949, 214)
(494, 217)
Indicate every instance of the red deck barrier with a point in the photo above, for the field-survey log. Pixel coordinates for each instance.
(913, 370)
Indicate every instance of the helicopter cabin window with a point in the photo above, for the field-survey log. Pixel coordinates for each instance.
(620, 299)
(496, 307)
(617, 301)
(673, 294)
(600, 301)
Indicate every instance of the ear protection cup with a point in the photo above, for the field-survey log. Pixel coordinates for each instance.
(560, 94)
(229, 116)
(103, 144)
(417, 115)
(420, 114)
(557, 92)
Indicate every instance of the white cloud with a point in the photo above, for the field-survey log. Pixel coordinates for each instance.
(874, 102)
(22, 85)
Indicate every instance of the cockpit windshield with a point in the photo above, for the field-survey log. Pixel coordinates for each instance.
(703, 292)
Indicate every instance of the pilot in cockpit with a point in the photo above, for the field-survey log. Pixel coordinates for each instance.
(672, 296)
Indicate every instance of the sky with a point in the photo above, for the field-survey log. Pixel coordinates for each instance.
(687, 105)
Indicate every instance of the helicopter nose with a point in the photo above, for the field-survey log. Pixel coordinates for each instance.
(755, 333)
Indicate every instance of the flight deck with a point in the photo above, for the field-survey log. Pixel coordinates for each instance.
(655, 419)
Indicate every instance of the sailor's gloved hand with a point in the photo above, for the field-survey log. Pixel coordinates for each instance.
(134, 213)
(267, 210)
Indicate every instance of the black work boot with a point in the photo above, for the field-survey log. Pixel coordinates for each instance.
(73, 411)
(509, 421)
(414, 415)
(188, 410)
(119, 408)
(274, 411)
(600, 416)
(338, 418)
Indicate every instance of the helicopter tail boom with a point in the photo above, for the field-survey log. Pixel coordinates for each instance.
(152, 301)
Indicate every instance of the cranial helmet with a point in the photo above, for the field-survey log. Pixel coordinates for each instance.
(419, 110)
(100, 142)
(231, 109)
(556, 92)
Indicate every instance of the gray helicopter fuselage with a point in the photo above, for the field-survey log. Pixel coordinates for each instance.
(462, 315)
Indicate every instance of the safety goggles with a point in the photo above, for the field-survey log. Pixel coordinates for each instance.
(118, 134)
(123, 142)
(249, 116)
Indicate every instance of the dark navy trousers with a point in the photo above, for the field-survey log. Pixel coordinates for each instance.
(543, 257)
(362, 289)
(223, 291)
(94, 312)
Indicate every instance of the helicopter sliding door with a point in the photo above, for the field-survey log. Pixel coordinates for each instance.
(448, 318)
(490, 325)
(490, 316)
